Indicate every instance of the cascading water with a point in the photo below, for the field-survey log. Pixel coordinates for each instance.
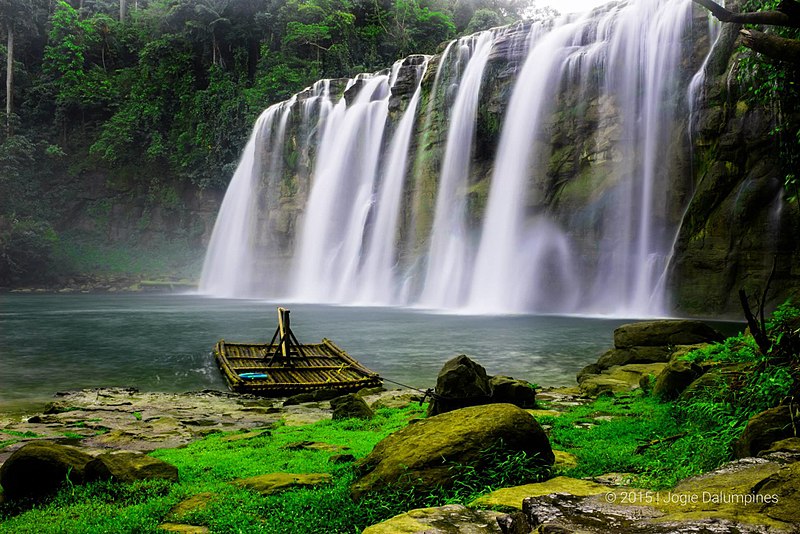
(449, 252)
(231, 267)
(575, 217)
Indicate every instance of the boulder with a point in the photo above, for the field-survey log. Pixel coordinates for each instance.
(665, 333)
(766, 428)
(432, 452)
(460, 383)
(675, 378)
(351, 406)
(512, 391)
(39, 468)
(128, 466)
(451, 519)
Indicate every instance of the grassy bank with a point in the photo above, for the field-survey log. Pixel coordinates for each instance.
(653, 442)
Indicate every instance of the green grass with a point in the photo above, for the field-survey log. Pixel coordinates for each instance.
(209, 465)
(629, 421)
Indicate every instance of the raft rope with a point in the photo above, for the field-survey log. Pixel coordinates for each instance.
(425, 392)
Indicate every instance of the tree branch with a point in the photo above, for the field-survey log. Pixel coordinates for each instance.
(787, 14)
(772, 46)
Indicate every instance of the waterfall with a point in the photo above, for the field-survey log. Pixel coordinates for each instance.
(448, 256)
(375, 190)
(231, 267)
(379, 284)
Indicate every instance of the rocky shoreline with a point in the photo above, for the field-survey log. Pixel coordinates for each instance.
(108, 284)
(757, 493)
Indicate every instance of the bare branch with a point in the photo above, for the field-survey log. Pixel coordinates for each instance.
(787, 14)
(772, 46)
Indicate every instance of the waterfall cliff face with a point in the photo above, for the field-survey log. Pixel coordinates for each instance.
(533, 168)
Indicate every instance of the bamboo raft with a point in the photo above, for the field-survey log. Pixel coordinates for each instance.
(286, 367)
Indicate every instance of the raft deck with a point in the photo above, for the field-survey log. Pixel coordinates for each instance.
(252, 368)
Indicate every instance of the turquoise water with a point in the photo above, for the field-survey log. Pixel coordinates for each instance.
(51, 343)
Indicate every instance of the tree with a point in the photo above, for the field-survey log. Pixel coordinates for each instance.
(771, 45)
(12, 13)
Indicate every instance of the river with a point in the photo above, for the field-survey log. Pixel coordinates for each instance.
(51, 343)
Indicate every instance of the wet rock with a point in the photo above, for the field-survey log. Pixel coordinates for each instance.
(675, 378)
(40, 468)
(351, 406)
(432, 451)
(450, 519)
(128, 466)
(766, 428)
(783, 451)
(277, 482)
(664, 333)
(460, 383)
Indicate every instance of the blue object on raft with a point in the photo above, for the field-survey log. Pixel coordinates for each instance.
(253, 376)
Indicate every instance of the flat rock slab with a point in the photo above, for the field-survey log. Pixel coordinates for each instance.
(124, 418)
(193, 503)
(748, 496)
(180, 528)
(450, 519)
(277, 482)
(513, 497)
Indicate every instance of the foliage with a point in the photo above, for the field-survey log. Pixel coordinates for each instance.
(776, 85)
(26, 251)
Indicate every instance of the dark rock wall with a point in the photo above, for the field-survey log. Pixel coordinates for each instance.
(737, 220)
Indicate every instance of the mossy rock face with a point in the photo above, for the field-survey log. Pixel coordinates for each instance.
(450, 519)
(675, 378)
(432, 451)
(39, 468)
(460, 383)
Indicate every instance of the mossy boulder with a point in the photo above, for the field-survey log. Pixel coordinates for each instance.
(434, 451)
(675, 378)
(128, 466)
(39, 468)
(665, 333)
(766, 428)
(351, 406)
